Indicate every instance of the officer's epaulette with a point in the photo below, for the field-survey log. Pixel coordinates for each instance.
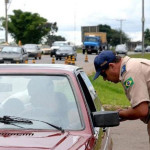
(123, 70)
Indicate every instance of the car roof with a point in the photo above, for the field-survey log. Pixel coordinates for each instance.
(16, 68)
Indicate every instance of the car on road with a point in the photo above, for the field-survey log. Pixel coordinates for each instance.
(13, 54)
(51, 106)
(33, 50)
(147, 49)
(138, 48)
(56, 45)
(46, 49)
(66, 51)
(121, 49)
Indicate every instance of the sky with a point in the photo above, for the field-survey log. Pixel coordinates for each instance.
(71, 15)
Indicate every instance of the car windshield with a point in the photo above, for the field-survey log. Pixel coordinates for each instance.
(11, 49)
(45, 46)
(59, 44)
(148, 47)
(120, 47)
(31, 47)
(139, 47)
(46, 98)
(66, 48)
(91, 39)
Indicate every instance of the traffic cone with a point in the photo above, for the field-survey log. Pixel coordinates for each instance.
(19, 43)
(66, 60)
(33, 61)
(86, 57)
(26, 61)
(53, 59)
(69, 60)
(73, 60)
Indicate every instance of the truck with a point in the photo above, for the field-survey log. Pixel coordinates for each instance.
(94, 42)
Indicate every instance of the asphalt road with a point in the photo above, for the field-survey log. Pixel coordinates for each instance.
(130, 135)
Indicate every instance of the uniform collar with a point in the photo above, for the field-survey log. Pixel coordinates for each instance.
(123, 67)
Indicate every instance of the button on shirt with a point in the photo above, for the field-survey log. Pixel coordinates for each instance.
(135, 78)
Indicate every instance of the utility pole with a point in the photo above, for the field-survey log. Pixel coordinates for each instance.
(121, 20)
(6, 25)
(143, 20)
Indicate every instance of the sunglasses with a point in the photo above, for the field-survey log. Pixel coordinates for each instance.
(103, 74)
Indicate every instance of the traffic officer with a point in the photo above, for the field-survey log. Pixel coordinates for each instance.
(134, 75)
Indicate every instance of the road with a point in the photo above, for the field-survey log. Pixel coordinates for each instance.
(130, 135)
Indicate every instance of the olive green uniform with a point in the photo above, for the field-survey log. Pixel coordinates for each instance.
(135, 78)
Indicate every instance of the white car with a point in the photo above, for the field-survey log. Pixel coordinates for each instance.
(147, 49)
(138, 48)
(121, 49)
(46, 49)
(56, 45)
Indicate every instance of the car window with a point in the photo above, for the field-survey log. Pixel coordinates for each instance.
(46, 98)
(12, 49)
(66, 48)
(59, 44)
(45, 46)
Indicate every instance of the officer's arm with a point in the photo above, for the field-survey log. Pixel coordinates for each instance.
(138, 112)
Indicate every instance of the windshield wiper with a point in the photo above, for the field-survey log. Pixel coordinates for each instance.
(12, 119)
(54, 126)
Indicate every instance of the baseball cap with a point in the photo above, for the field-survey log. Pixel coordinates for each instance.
(102, 61)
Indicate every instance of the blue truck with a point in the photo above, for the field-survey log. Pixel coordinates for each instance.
(94, 43)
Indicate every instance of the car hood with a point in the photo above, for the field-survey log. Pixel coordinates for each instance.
(9, 55)
(42, 140)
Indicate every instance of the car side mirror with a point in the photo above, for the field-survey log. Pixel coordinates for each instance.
(106, 119)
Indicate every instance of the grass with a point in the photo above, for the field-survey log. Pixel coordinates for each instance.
(79, 50)
(112, 94)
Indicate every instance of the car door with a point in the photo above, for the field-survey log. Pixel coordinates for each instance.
(93, 104)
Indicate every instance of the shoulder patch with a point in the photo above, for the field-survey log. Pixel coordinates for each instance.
(123, 69)
(128, 83)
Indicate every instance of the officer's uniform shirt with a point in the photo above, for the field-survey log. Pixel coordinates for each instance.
(135, 78)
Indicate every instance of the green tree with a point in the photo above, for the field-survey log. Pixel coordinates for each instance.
(28, 27)
(113, 36)
(147, 36)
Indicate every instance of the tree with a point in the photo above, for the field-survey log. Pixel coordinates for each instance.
(113, 36)
(28, 27)
(147, 36)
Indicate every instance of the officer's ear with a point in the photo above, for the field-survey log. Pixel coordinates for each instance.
(112, 65)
